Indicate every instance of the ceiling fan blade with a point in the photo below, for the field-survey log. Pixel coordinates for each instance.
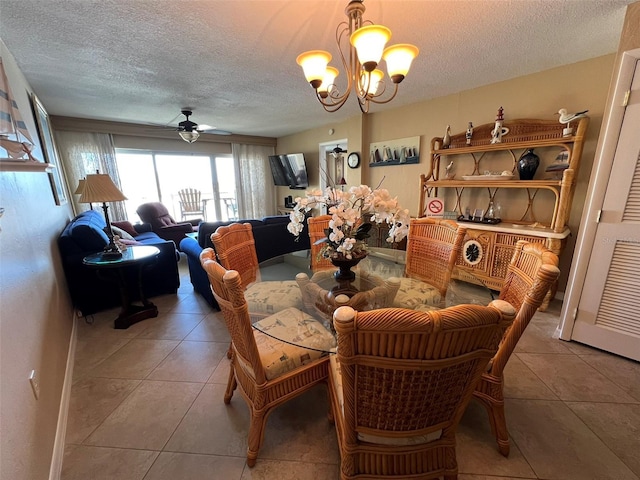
(213, 130)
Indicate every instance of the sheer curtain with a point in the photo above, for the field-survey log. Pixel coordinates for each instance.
(255, 189)
(85, 153)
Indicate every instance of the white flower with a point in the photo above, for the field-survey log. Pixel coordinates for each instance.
(349, 211)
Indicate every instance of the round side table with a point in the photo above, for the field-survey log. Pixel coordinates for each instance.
(114, 269)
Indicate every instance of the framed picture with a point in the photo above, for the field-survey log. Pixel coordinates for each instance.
(56, 176)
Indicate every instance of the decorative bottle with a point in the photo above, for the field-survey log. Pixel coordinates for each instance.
(528, 164)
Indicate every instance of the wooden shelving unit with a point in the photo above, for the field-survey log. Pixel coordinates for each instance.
(496, 242)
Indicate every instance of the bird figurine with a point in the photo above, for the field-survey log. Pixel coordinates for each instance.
(570, 117)
(446, 140)
(567, 118)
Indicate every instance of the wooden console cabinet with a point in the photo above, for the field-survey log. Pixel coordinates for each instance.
(489, 247)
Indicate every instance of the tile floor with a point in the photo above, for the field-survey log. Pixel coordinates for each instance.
(146, 403)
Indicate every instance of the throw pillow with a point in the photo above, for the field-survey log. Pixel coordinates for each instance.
(126, 226)
(121, 233)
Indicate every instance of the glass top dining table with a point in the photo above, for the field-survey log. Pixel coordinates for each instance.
(380, 282)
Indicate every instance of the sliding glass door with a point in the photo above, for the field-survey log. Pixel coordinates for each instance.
(148, 176)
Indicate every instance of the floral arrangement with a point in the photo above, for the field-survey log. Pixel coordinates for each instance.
(348, 227)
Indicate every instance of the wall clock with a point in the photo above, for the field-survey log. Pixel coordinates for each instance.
(353, 160)
(472, 252)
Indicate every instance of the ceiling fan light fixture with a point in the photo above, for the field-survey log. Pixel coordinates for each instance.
(189, 137)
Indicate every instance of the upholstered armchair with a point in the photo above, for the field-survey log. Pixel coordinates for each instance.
(157, 215)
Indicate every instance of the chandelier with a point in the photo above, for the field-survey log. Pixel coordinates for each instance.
(366, 49)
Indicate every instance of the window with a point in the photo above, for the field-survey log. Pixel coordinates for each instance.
(149, 176)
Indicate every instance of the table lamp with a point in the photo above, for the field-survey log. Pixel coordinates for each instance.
(100, 188)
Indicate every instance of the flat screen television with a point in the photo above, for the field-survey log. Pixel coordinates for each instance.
(289, 170)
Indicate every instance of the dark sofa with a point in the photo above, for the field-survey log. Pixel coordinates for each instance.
(89, 293)
(270, 235)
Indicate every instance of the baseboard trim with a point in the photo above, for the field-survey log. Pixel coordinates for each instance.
(61, 429)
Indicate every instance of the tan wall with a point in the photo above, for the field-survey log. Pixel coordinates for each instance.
(36, 316)
(538, 95)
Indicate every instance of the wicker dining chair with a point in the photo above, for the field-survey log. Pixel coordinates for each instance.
(317, 231)
(433, 245)
(400, 383)
(531, 272)
(236, 250)
(269, 372)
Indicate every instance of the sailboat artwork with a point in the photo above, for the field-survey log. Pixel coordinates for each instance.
(15, 142)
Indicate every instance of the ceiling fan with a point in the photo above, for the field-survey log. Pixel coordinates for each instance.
(190, 131)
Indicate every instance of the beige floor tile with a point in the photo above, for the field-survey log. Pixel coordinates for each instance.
(618, 426)
(192, 304)
(538, 339)
(582, 349)
(211, 329)
(287, 470)
(148, 417)
(188, 466)
(559, 446)
(135, 360)
(221, 373)
(623, 372)
(91, 351)
(166, 302)
(300, 430)
(190, 362)
(521, 382)
(101, 325)
(465, 476)
(171, 326)
(93, 400)
(211, 427)
(477, 451)
(97, 463)
(572, 379)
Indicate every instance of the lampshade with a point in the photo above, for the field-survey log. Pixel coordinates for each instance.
(100, 188)
(398, 58)
(314, 65)
(372, 81)
(369, 42)
(80, 187)
(330, 75)
(189, 137)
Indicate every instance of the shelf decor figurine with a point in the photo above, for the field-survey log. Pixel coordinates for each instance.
(469, 133)
(447, 172)
(567, 118)
(446, 140)
(528, 164)
(498, 130)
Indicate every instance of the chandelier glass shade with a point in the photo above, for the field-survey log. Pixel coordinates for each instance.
(365, 49)
(189, 137)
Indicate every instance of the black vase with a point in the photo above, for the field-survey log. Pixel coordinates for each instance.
(528, 164)
(344, 267)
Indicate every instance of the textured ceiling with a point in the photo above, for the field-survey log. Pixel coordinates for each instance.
(233, 62)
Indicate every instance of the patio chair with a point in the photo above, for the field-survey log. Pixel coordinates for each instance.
(191, 204)
(269, 372)
(433, 246)
(532, 271)
(400, 383)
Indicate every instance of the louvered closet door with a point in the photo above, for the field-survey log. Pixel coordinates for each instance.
(609, 309)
